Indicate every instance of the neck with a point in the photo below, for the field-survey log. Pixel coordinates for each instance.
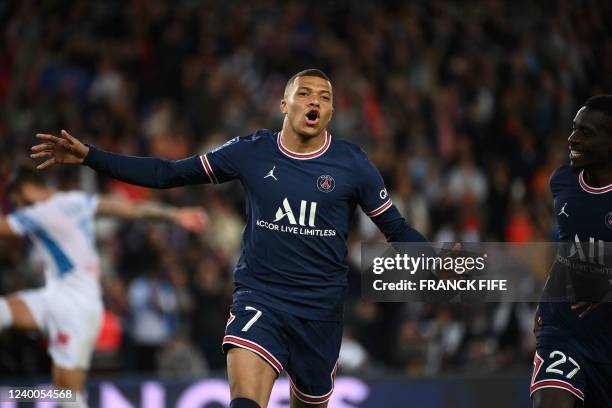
(599, 177)
(301, 143)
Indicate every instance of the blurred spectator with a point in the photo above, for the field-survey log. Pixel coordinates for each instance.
(211, 310)
(353, 356)
(179, 359)
(154, 316)
(465, 109)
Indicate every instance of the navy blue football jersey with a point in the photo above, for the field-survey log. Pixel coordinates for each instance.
(298, 209)
(584, 218)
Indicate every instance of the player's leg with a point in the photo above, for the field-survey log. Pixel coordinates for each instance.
(559, 376)
(70, 379)
(314, 349)
(296, 403)
(553, 398)
(14, 312)
(73, 325)
(256, 351)
(250, 378)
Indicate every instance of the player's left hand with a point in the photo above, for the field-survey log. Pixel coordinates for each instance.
(590, 307)
(192, 219)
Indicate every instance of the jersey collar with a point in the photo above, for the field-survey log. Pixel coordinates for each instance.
(304, 156)
(592, 190)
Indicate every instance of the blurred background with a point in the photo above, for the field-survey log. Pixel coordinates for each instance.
(464, 108)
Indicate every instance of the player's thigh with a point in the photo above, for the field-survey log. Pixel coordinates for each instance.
(249, 376)
(256, 350)
(314, 348)
(22, 317)
(73, 325)
(72, 379)
(28, 309)
(559, 376)
(553, 398)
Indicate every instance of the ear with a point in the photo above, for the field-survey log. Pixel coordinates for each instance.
(283, 106)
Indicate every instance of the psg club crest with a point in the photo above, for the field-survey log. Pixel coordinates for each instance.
(326, 183)
(609, 220)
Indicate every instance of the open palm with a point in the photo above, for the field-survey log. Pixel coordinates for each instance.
(59, 150)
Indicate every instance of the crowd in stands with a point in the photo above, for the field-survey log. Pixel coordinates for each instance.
(464, 107)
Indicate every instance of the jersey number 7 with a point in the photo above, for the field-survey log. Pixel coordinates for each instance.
(251, 322)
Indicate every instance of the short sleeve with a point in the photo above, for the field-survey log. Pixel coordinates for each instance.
(91, 202)
(79, 202)
(224, 162)
(372, 194)
(20, 221)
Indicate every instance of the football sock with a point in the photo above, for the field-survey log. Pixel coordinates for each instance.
(79, 402)
(243, 403)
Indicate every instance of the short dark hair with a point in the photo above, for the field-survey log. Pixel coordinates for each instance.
(307, 72)
(601, 103)
(21, 174)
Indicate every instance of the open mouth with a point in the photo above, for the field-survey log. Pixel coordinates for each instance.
(312, 117)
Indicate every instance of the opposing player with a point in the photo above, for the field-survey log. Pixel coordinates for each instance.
(69, 307)
(302, 187)
(573, 361)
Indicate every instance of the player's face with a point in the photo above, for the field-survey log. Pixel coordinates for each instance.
(308, 105)
(590, 142)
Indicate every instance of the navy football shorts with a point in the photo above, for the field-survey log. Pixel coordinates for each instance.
(562, 365)
(307, 349)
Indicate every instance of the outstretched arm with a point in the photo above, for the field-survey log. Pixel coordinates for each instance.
(143, 171)
(190, 218)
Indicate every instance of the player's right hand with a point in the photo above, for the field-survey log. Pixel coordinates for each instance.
(59, 150)
(590, 306)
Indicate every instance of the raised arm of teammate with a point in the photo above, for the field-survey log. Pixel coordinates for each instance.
(144, 171)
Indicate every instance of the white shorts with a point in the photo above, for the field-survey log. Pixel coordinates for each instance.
(71, 321)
